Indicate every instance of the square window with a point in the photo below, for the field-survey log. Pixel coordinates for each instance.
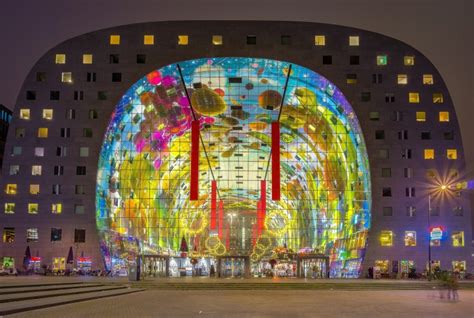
(84, 151)
(36, 170)
(91, 77)
(20, 132)
(60, 59)
(383, 153)
(420, 116)
(14, 170)
(448, 135)
(389, 98)
(79, 209)
(251, 40)
(93, 114)
(114, 58)
(34, 189)
(387, 211)
(80, 189)
(32, 208)
(411, 211)
(48, 114)
(459, 266)
(141, 58)
(425, 135)
(54, 95)
(327, 59)
(217, 40)
(285, 40)
(354, 60)
(320, 40)
(429, 154)
(70, 113)
(428, 79)
(183, 40)
(380, 134)
(58, 170)
(32, 235)
(410, 238)
(402, 79)
(458, 211)
(351, 78)
(79, 236)
(403, 134)
(43, 132)
(386, 192)
(56, 234)
(413, 97)
(452, 154)
(17, 150)
(443, 117)
(25, 113)
(41, 77)
(386, 238)
(11, 188)
(116, 77)
(149, 39)
(8, 234)
(56, 208)
(9, 208)
(438, 98)
(365, 96)
(30, 95)
(87, 58)
(409, 60)
(114, 40)
(87, 132)
(386, 172)
(353, 40)
(39, 151)
(56, 189)
(374, 116)
(61, 151)
(408, 172)
(102, 95)
(458, 238)
(382, 60)
(66, 77)
(81, 170)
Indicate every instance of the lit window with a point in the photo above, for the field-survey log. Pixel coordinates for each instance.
(56, 208)
(429, 154)
(452, 154)
(9, 208)
(409, 60)
(36, 170)
(383, 265)
(149, 39)
(402, 79)
(381, 59)
(66, 77)
(34, 189)
(8, 234)
(84, 151)
(217, 40)
(351, 78)
(183, 40)
(386, 238)
(16, 151)
(39, 152)
(420, 116)
(42, 132)
(438, 98)
(14, 170)
(410, 238)
(413, 97)
(87, 58)
(443, 116)
(11, 188)
(115, 39)
(459, 266)
(25, 113)
(48, 114)
(354, 40)
(79, 209)
(428, 79)
(60, 59)
(32, 208)
(32, 235)
(431, 173)
(458, 238)
(320, 40)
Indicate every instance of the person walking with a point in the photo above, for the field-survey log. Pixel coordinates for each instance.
(453, 286)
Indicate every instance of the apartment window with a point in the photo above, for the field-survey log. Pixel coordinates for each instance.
(32, 235)
(406, 153)
(39, 151)
(84, 152)
(452, 154)
(87, 58)
(458, 211)
(149, 39)
(11, 188)
(390, 98)
(54, 95)
(79, 209)
(426, 135)
(66, 77)
(56, 189)
(60, 59)
(30, 95)
(448, 135)
(327, 59)
(353, 40)
(397, 116)
(114, 58)
(410, 238)
(386, 238)
(32, 208)
(183, 40)
(61, 151)
(428, 79)
(70, 113)
(48, 114)
(79, 236)
(58, 170)
(217, 40)
(382, 60)
(403, 134)
(459, 266)
(411, 211)
(43, 132)
(410, 192)
(365, 96)
(116, 77)
(444, 117)
(386, 192)
(141, 58)
(377, 78)
(354, 60)
(78, 95)
(65, 132)
(40, 76)
(102, 95)
(34, 189)
(36, 170)
(91, 77)
(8, 234)
(56, 208)
(402, 79)
(114, 39)
(56, 234)
(17, 150)
(374, 116)
(458, 238)
(438, 98)
(80, 189)
(387, 211)
(380, 134)
(420, 116)
(434, 211)
(87, 132)
(386, 172)
(408, 173)
(453, 173)
(20, 132)
(320, 40)
(9, 208)
(413, 97)
(81, 170)
(383, 153)
(25, 114)
(14, 170)
(251, 40)
(429, 154)
(285, 40)
(409, 60)
(351, 78)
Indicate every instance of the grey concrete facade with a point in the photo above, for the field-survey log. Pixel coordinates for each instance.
(376, 93)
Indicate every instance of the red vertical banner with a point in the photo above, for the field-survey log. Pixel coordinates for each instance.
(275, 160)
(259, 218)
(263, 203)
(220, 216)
(194, 182)
(213, 204)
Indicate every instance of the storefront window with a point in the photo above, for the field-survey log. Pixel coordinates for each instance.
(410, 238)
(382, 266)
(8, 262)
(386, 238)
(59, 264)
(458, 238)
(459, 266)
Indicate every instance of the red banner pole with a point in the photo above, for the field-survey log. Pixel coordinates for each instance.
(220, 218)
(194, 182)
(213, 204)
(275, 161)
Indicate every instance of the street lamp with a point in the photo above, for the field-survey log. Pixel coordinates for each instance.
(441, 188)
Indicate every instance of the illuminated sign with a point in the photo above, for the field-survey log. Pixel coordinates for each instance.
(436, 233)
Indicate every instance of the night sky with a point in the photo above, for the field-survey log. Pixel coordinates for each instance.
(442, 30)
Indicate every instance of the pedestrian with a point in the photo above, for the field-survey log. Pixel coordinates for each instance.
(453, 286)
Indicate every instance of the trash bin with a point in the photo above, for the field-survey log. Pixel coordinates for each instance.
(134, 271)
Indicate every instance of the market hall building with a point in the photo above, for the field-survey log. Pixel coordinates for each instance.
(236, 148)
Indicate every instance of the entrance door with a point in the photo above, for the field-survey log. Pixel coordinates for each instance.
(154, 266)
(313, 268)
(233, 267)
